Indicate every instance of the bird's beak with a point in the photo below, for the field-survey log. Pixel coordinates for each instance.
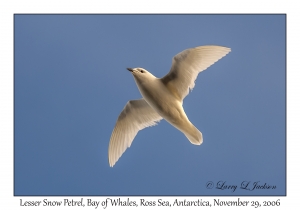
(130, 69)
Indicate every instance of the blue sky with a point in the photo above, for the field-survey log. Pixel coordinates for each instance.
(71, 83)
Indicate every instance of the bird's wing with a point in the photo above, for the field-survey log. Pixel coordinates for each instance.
(135, 116)
(188, 64)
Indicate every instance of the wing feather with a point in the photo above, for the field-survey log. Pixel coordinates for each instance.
(188, 64)
(135, 116)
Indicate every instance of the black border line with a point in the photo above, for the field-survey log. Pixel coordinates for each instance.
(32, 195)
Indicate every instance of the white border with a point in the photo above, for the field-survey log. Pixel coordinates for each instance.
(8, 8)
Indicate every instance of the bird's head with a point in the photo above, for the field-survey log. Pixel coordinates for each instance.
(141, 75)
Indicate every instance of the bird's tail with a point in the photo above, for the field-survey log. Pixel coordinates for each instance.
(194, 135)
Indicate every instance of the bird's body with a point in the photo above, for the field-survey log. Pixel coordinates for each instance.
(163, 98)
(167, 104)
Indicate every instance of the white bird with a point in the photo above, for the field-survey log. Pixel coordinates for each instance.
(163, 98)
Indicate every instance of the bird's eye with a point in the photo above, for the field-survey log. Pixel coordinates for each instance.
(142, 71)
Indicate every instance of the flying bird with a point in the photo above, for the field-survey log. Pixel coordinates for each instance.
(163, 98)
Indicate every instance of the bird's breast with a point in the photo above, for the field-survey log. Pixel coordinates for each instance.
(164, 103)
